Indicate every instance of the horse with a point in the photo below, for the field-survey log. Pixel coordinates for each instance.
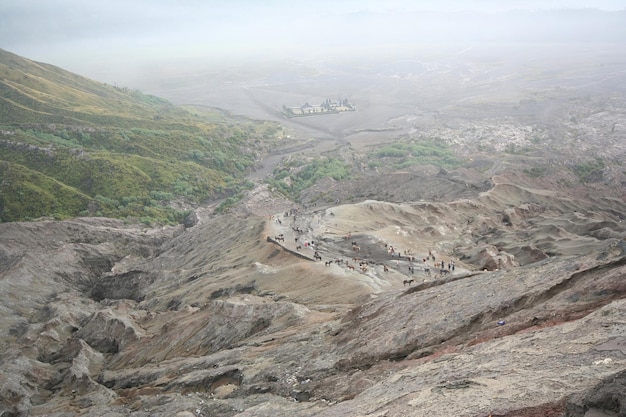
(408, 281)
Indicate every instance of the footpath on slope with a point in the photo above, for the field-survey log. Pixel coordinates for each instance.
(382, 269)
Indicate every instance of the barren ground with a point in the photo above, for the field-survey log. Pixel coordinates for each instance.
(103, 318)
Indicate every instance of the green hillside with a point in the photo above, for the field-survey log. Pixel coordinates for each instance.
(70, 146)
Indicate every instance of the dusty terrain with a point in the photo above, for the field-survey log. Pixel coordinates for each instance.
(103, 318)
(527, 317)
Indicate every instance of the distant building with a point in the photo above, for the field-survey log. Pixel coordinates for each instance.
(328, 106)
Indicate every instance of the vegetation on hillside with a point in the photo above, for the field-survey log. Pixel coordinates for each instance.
(403, 155)
(296, 175)
(70, 146)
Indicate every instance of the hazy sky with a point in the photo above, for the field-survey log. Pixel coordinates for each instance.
(100, 38)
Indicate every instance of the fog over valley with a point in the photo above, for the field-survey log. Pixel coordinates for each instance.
(390, 57)
(127, 42)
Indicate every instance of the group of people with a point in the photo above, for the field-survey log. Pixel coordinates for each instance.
(395, 253)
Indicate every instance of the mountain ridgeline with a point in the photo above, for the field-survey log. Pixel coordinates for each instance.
(71, 146)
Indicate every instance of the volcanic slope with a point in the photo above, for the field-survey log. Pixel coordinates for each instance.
(222, 318)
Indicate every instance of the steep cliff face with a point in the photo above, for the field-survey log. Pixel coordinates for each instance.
(105, 318)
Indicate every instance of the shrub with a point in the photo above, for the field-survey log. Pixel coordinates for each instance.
(535, 172)
(590, 171)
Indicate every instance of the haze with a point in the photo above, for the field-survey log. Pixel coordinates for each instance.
(121, 42)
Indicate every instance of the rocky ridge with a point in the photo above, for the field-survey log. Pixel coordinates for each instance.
(105, 318)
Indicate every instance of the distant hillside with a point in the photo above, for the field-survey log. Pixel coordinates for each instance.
(71, 146)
